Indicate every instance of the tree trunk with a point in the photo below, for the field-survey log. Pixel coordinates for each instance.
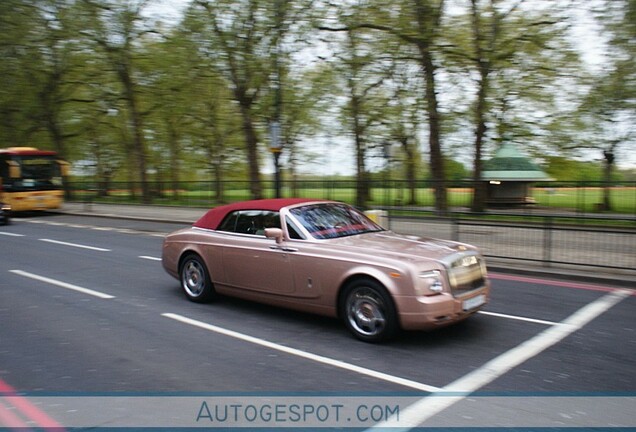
(139, 145)
(434, 141)
(479, 195)
(362, 186)
(484, 68)
(175, 157)
(410, 168)
(607, 178)
(251, 142)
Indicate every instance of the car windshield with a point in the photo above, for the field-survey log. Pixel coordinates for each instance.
(327, 221)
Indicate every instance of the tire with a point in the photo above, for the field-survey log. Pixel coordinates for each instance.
(369, 312)
(195, 280)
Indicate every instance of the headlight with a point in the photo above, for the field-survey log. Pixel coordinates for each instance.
(430, 282)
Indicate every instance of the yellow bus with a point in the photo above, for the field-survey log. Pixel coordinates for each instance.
(31, 179)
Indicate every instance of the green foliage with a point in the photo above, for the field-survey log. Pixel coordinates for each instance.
(124, 97)
(563, 169)
(456, 171)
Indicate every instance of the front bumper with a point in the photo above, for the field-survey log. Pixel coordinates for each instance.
(428, 312)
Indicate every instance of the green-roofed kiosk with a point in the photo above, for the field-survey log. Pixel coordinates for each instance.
(509, 176)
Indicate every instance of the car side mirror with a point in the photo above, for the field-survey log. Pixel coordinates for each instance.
(275, 233)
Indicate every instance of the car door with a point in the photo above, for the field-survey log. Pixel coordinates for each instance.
(308, 263)
(252, 261)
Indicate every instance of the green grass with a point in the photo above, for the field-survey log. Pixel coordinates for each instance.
(623, 199)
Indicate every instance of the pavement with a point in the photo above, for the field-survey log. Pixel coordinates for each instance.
(187, 215)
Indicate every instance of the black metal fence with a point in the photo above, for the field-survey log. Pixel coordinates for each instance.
(549, 240)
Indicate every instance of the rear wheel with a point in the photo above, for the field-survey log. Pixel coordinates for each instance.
(195, 280)
(369, 312)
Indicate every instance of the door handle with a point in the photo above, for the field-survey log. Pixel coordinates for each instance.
(283, 248)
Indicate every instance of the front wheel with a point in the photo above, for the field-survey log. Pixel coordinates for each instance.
(195, 280)
(369, 312)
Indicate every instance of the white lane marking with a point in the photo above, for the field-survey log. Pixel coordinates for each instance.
(518, 318)
(11, 234)
(304, 354)
(416, 414)
(75, 245)
(62, 284)
(97, 228)
(146, 257)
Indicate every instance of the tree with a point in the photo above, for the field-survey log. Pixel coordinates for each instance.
(38, 51)
(363, 76)
(416, 23)
(305, 100)
(402, 118)
(116, 28)
(18, 99)
(611, 103)
(519, 59)
(239, 36)
(171, 71)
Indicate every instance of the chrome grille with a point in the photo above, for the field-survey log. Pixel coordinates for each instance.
(467, 273)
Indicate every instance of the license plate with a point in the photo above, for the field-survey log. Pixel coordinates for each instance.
(474, 302)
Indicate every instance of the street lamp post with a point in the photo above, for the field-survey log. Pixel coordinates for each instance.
(276, 147)
(276, 143)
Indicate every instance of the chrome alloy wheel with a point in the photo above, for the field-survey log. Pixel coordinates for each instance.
(193, 278)
(365, 312)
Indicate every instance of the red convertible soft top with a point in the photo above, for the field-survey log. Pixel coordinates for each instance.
(215, 216)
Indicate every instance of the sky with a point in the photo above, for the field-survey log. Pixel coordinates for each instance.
(166, 10)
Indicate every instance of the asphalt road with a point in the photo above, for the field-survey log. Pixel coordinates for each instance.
(86, 308)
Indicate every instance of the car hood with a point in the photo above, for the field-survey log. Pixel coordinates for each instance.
(390, 244)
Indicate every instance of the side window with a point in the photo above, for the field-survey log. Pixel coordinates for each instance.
(294, 232)
(250, 222)
(229, 223)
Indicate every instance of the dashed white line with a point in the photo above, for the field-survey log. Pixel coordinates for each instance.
(10, 234)
(416, 414)
(304, 354)
(62, 284)
(97, 228)
(146, 257)
(75, 245)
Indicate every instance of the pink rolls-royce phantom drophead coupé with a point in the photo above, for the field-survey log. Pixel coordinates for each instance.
(328, 258)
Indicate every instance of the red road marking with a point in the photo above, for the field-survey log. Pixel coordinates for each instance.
(9, 419)
(26, 408)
